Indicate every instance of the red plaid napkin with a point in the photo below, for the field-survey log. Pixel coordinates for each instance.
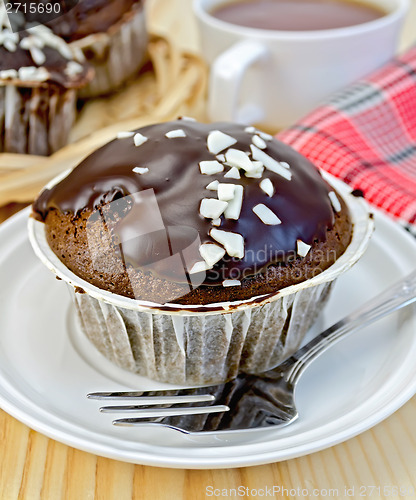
(366, 136)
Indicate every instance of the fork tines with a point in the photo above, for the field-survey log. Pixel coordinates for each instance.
(167, 404)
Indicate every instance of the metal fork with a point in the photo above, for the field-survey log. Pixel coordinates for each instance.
(251, 401)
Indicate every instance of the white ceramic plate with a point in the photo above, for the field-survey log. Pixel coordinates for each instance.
(47, 367)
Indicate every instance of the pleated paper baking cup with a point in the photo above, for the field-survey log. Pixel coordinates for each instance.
(205, 344)
(35, 120)
(115, 55)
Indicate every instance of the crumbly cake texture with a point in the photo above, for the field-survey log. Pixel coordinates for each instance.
(265, 217)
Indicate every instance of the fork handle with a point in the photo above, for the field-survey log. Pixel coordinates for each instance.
(397, 296)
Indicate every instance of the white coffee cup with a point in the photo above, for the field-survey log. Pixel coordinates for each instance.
(273, 78)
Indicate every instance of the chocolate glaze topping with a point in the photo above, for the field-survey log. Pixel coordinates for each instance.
(302, 203)
(90, 16)
(55, 64)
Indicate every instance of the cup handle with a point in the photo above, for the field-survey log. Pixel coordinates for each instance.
(226, 76)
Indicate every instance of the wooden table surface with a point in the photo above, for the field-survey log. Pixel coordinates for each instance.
(370, 465)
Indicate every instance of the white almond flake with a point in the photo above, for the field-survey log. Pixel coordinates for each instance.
(258, 172)
(231, 283)
(211, 253)
(14, 37)
(38, 56)
(250, 130)
(124, 135)
(302, 248)
(210, 167)
(216, 222)
(233, 173)
(335, 201)
(211, 208)
(232, 242)
(259, 142)
(9, 45)
(40, 75)
(31, 41)
(217, 141)
(187, 119)
(266, 215)
(31, 73)
(263, 135)
(270, 163)
(139, 139)
(284, 164)
(173, 134)
(199, 267)
(8, 74)
(239, 159)
(140, 170)
(220, 158)
(73, 68)
(226, 191)
(27, 72)
(212, 186)
(234, 206)
(267, 186)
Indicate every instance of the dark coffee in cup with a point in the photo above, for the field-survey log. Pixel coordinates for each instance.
(297, 15)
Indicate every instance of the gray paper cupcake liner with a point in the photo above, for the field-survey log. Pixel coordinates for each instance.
(35, 120)
(200, 349)
(115, 55)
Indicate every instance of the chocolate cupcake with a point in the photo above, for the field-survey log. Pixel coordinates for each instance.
(204, 250)
(39, 79)
(112, 36)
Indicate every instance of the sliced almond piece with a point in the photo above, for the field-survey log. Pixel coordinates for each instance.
(233, 173)
(216, 222)
(266, 215)
(211, 208)
(258, 172)
(263, 135)
(226, 283)
(211, 253)
(302, 248)
(140, 170)
(124, 135)
(226, 191)
(234, 206)
(212, 186)
(232, 242)
(266, 185)
(139, 139)
(199, 267)
(217, 141)
(259, 142)
(270, 163)
(210, 167)
(335, 201)
(239, 159)
(173, 134)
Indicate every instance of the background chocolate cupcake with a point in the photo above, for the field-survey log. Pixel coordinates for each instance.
(112, 36)
(210, 248)
(39, 79)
